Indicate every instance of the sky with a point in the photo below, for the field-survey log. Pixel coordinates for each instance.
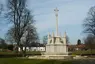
(71, 16)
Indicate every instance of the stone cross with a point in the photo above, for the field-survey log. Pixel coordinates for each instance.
(56, 14)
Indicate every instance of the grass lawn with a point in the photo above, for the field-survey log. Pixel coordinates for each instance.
(36, 61)
(31, 61)
(13, 54)
(79, 52)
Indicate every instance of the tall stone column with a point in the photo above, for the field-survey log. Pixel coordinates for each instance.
(56, 14)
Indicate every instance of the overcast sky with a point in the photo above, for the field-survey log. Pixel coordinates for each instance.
(71, 16)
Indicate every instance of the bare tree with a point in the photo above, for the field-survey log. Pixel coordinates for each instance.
(10, 36)
(45, 39)
(89, 23)
(15, 15)
(29, 37)
(90, 42)
(89, 27)
(21, 17)
(67, 40)
(3, 44)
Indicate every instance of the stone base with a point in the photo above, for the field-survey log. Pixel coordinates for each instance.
(56, 49)
(51, 57)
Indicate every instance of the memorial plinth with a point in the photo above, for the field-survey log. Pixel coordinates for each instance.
(56, 46)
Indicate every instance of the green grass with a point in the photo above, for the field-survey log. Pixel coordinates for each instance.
(79, 52)
(32, 52)
(31, 61)
(13, 54)
(36, 61)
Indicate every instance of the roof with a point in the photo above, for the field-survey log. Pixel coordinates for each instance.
(76, 46)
